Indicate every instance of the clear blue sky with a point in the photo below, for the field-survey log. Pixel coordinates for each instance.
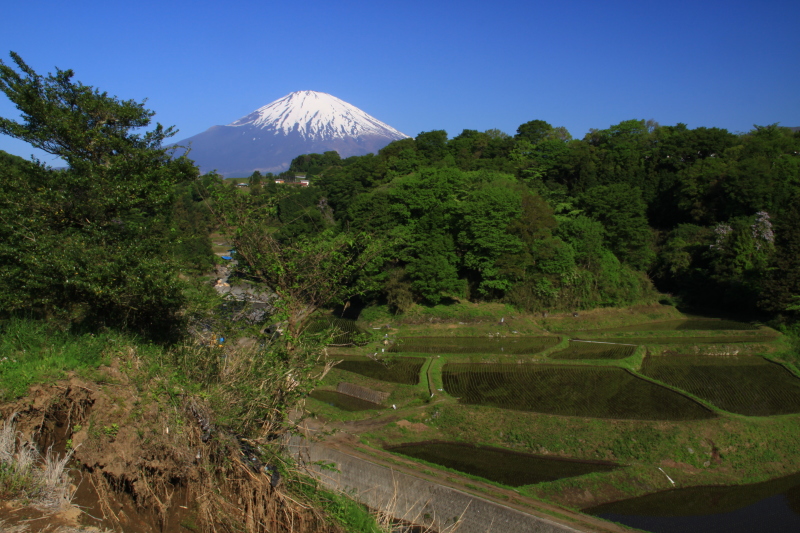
(420, 66)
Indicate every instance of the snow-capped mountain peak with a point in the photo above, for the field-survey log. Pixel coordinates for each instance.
(302, 122)
(316, 116)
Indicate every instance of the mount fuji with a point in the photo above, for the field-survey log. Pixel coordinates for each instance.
(301, 122)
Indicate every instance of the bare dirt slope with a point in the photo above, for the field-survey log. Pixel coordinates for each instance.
(141, 466)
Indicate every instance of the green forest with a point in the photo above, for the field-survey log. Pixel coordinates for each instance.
(701, 217)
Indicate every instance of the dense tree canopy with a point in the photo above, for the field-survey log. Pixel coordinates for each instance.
(544, 221)
(86, 242)
(538, 219)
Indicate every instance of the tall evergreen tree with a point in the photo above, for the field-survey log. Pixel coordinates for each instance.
(87, 242)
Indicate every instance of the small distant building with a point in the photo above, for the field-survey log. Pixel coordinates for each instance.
(298, 180)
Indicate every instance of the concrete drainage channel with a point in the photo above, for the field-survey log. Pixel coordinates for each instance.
(413, 499)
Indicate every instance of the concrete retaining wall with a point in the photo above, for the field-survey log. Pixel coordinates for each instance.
(414, 499)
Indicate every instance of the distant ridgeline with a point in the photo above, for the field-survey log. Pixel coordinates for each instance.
(547, 222)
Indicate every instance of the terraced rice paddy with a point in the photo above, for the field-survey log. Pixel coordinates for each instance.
(693, 324)
(502, 466)
(403, 370)
(343, 401)
(475, 345)
(594, 350)
(746, 385)
(589, 391)
(343, 332)
(721, 339)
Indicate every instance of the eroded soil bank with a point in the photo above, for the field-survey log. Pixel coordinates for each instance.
(144, 463)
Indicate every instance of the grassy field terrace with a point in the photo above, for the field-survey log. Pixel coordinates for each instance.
(648, 390)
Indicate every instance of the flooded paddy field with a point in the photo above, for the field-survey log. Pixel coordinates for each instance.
(746, 385)
(587, 391)
(344, 401)
(720, 339)
(690, 324)
(402, 370)
(594, 350)
(502, 466)
(663, 393)
(769, 506)
(476, 345)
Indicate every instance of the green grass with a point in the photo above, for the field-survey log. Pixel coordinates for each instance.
(16, 484)
(462, 312)
(719, 339)
(748, 445)
(435, 370)
(611, 318)
(509, 345)
(32, 352)
(689, 324)
(341, 508)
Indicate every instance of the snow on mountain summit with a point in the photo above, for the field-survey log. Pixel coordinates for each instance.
(303, 122)
(316, 116)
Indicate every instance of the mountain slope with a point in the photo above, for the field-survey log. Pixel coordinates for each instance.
(302, 122)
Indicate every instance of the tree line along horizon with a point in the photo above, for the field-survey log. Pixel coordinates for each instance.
(547, 222)
(537, 220)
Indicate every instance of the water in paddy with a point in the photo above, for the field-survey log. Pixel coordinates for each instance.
(746, 385)
(343, 401)
(589, 391)
(722, 339)
(693, 324)
(483, 345)
(403, 370)
(770, 506)
(502, 466)
(594, 350)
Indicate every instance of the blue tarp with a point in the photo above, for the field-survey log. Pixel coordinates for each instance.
(227, 257)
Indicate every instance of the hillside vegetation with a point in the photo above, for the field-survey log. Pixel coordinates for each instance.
(176, 401)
